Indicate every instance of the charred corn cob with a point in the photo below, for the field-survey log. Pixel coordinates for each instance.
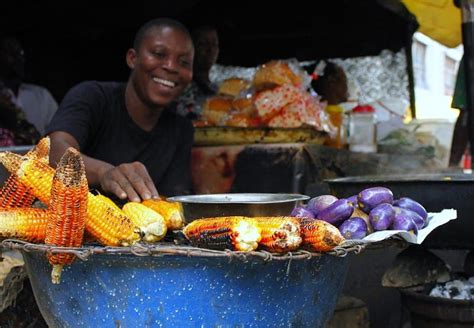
(236, 233)
(31, 172)
(320, 235)
(279, 234)
(110, 226)
(171, 212)
(16, 194)
(152, 225)
(24, 223)
(68, 208)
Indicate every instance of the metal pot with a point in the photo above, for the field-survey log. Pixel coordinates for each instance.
(245, 204)
(435, 192)
(123, 290)
(435, 312)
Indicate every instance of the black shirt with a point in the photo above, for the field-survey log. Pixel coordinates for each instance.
(94, 113)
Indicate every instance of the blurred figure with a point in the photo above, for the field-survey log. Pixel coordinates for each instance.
(461, 129)
(206, 45)
(15, 130)
(35, 101)
(332, 85)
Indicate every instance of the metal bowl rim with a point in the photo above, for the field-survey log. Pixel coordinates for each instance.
(404, 178)
(266, 198)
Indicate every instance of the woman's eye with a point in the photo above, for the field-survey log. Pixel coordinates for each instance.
(159, 54)
(185, 63)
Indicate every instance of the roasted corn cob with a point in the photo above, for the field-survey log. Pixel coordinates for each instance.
(109, 225)
(31, 172)
(41, 150)
(14, 193)
(320, 235)
(107, 200)
(24, 223)
(171, 212)
(279, 234)
(236, 233)
(68, 208)
(152, 225)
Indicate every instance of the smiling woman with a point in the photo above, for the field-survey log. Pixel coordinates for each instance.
(161, 64)
(132, 142)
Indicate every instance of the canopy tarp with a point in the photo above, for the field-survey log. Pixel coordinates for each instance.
(253, 32)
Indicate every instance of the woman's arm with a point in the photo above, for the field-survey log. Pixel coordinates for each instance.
(128, 180)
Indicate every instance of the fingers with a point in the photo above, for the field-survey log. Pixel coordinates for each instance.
(130, 180)
(149, 186)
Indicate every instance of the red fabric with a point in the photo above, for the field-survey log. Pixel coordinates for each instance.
(7, 138)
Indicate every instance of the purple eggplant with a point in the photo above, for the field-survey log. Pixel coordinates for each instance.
(337, 212)
(353, 200)
(417, 219)
(403, 222)
(354, 228)
(381, 217)
(411, 205)
(319, 203)
(364, 216)
(302, 212)
(371, 197)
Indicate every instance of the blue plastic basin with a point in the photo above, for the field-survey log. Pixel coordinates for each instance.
(180, 291)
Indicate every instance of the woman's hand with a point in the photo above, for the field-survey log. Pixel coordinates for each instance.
(128, 180)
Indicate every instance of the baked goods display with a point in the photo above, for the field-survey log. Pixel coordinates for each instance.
(275, 98)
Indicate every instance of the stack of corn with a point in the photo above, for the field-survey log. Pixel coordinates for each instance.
(108, 224)
(275, 234)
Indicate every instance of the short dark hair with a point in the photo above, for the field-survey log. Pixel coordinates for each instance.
(157, 23)
(196, 32)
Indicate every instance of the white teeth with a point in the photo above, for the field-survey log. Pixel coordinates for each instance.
(164, 82)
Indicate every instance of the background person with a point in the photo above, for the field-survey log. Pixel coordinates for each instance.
(36, 102)
(206, 45)
(461, 128)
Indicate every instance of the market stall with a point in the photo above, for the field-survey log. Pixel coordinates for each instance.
(298, 163)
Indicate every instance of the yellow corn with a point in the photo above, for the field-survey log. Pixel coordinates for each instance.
(41, 150)
(279, 234)
(32, 172)
(110, 226)
(320, 235)
(152, 225)
(68, 208)
(236, 233)
(24, 223)
(107, 200)
(171, 212)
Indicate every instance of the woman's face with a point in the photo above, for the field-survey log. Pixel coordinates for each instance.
(162, 66)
